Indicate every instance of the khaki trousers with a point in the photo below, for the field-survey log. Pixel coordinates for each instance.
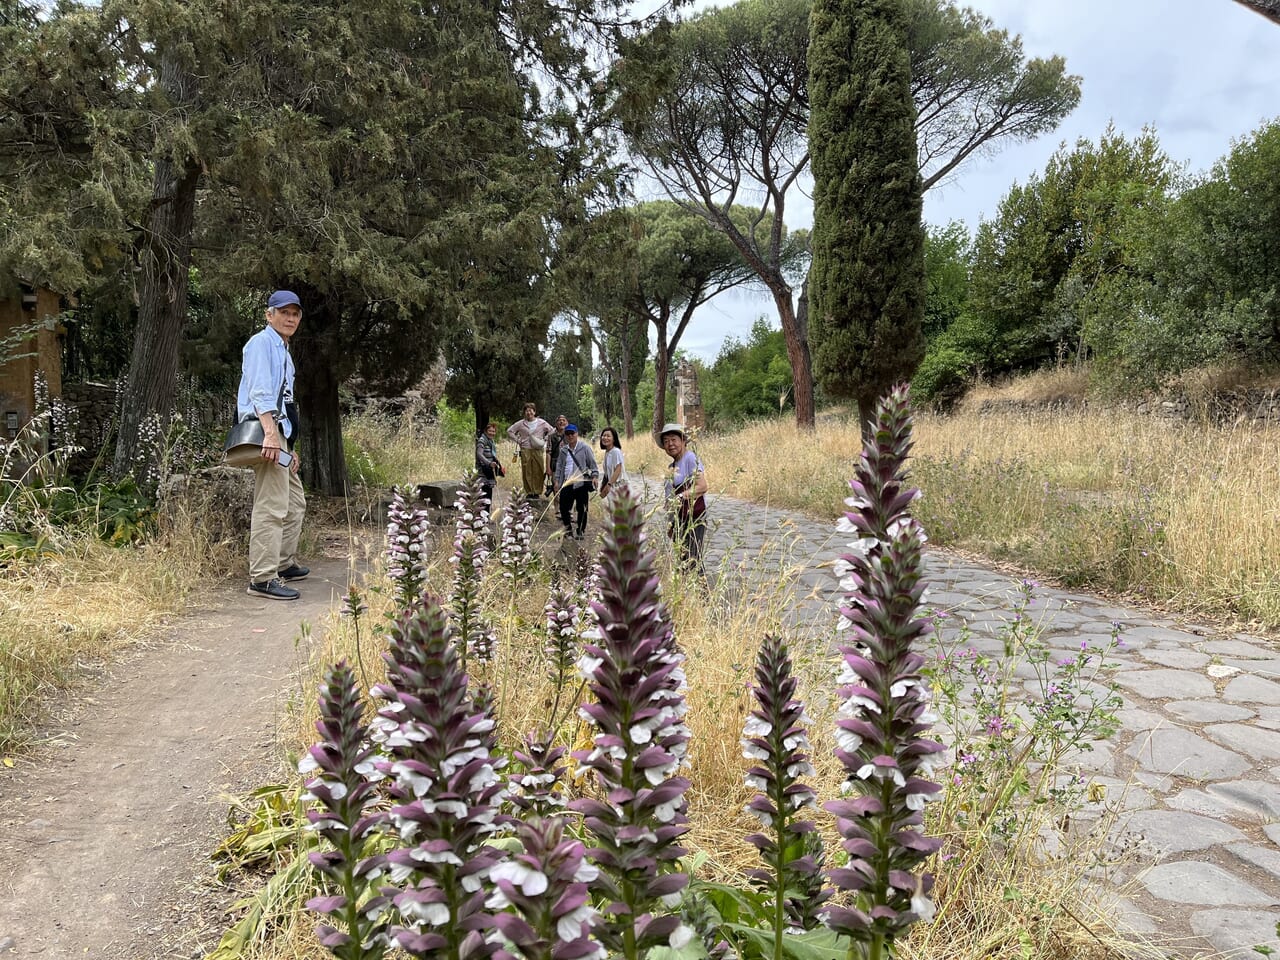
(278, 507)
(533, 471)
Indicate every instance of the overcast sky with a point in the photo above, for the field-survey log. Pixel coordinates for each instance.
(1201, 72)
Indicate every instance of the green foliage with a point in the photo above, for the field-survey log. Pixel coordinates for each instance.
(456, 425)
(1043, 265)
(747, 380)
(43, 517)
(1203, 282)
(943, 374)
(363, 469)
(69, 183)
(948, 256)
(866, 283)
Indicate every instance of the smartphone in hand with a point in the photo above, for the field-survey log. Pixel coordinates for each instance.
(284, 458)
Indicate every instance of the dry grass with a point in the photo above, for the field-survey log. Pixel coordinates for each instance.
(1185, 514)
(409, 449)
(1202, 383)
(1053, 385)
(60, 615)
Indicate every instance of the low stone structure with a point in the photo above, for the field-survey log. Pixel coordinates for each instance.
(220, 497)
(1251, 404)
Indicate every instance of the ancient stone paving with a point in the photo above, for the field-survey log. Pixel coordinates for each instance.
(1195, 766)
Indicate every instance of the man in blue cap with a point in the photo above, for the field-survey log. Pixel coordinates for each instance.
(575, 476)
(266, 392)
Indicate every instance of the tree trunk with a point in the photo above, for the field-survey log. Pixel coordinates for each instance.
(660, 368)
(866, 416)
(162, 310)
(318, 356)
(624, 389)
(795, 331)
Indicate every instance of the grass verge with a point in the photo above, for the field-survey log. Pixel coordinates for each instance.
(62, 613)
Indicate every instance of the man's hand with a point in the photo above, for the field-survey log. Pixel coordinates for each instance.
(293, 465)
(270, 437)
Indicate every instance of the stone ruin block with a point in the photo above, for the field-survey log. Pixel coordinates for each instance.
(439, 493)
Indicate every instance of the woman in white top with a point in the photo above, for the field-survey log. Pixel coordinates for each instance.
(615, 471)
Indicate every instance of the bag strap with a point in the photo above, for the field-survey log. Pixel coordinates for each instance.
(576, 462)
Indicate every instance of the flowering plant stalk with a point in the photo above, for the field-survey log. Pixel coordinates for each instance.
(348, 820)
(586, 574)
(564, 620)
(515, 553)
(476, 636)
(547, 885)
(444, 778)
(472, 508)
(775, 736)
(407, 529)
(634, 672)
(884, 701)
(536, 789)
(354, 607)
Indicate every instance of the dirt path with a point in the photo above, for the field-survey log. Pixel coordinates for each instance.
(101, 836)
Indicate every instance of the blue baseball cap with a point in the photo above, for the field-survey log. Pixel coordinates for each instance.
(282, 298)
(571, 429)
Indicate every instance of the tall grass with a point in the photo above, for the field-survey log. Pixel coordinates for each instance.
(411, 448)
(1185, 514)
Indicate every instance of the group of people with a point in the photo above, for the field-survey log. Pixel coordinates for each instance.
(553, 461)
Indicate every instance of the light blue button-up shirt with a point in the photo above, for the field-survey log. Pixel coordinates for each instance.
(266, 365)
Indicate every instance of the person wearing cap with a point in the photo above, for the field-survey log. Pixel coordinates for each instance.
(530, 435)
(266, 392)
(575, 476)
(685, 489)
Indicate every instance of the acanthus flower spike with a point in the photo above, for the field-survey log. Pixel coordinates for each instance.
(883, 714)
(775, 736)
(635, 673)
(444, 780)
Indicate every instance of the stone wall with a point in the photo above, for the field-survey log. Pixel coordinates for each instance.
(92, 407)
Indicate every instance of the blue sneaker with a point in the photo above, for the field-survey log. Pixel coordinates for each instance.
(294, 572)
(273, 590)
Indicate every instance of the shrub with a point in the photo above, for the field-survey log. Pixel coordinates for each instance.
(944, 374)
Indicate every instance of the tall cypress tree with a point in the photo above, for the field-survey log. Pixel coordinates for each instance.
(867, 282)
